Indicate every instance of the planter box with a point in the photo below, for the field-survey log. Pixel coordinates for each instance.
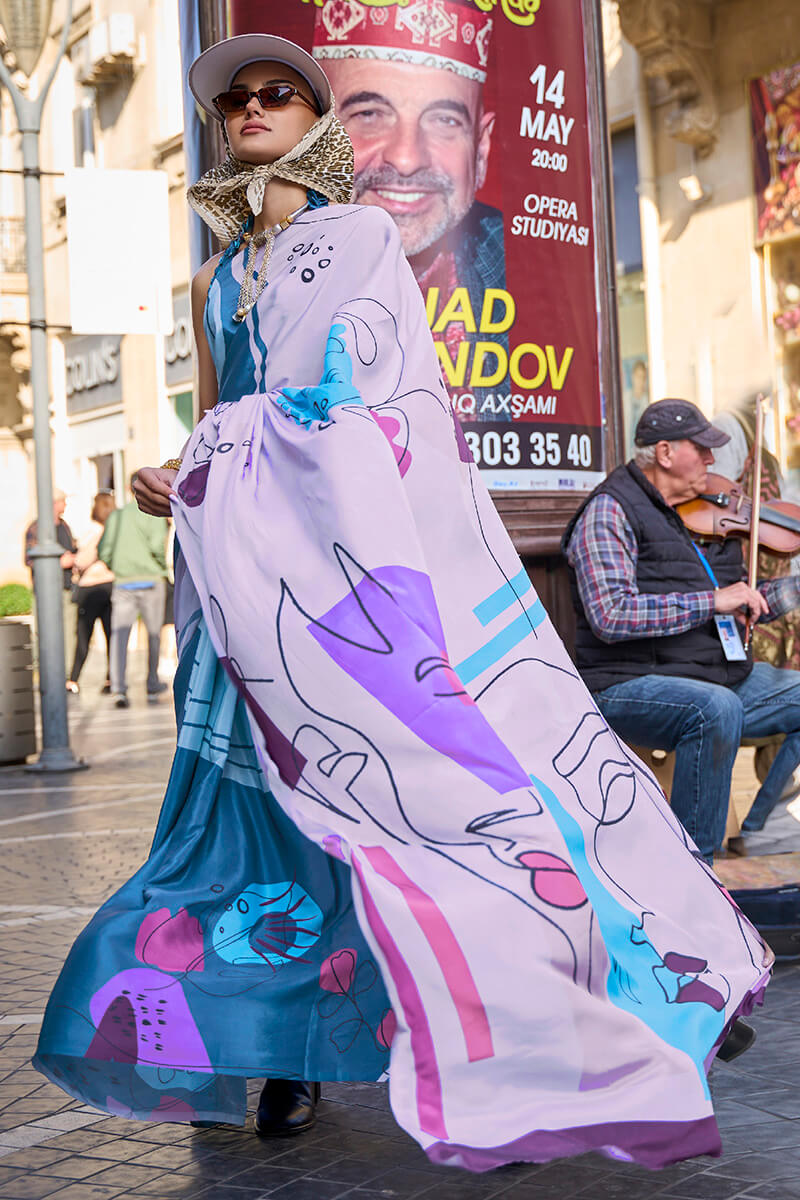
(17, 715)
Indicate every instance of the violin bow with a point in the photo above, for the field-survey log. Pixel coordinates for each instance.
(758, 458)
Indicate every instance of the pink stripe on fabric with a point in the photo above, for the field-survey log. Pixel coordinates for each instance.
(429, 1085)
(449, 955)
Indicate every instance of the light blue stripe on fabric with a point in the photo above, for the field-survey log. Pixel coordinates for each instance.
(212, 321)
(212, 715)
(501, 643)
(263, 352)
(503, 598)
(636, 969)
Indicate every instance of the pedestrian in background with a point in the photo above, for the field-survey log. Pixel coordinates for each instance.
(91, 591)
(66, 561)
(133, 547)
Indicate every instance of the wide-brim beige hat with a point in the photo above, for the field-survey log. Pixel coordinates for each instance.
(214, 70)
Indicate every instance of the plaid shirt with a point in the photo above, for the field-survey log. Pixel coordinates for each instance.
(603, 553)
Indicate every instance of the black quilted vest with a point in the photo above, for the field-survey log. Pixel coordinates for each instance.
(667, 562)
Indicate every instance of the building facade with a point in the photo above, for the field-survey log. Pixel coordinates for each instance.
(118, 401)
(704, 109)
(704, 106)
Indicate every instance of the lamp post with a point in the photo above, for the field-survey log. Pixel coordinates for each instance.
(26, 23)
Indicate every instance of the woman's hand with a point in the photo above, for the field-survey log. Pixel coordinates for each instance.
(152, 489)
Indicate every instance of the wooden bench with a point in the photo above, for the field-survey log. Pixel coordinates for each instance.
(662, 764)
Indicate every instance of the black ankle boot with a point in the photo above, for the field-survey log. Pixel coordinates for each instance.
(739, 1039)
(286, 1107)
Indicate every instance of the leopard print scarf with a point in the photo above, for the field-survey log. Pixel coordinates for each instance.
(322, 160)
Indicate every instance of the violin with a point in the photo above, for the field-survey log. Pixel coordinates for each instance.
(775, 526)
(725, 510)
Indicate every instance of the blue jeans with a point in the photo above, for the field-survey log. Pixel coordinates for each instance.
(704, 724)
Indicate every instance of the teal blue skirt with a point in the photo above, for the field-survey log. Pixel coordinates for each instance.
(234, 952)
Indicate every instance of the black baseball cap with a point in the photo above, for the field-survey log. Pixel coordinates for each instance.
(671, 420)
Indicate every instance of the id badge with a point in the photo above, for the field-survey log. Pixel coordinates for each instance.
(730, 637)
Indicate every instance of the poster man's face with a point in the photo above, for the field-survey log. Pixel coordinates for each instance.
(421, 142)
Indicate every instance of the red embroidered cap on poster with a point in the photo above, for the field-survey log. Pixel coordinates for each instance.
(443, 34)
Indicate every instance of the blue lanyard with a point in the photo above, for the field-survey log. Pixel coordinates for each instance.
(706, 565)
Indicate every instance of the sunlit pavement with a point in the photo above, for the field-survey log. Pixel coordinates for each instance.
(67, 842)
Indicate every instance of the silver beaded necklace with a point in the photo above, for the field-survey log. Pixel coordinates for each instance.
(252, 288)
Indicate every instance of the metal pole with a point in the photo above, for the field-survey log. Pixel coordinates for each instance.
(56, 754)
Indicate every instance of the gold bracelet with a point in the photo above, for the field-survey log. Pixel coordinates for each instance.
(172, 464)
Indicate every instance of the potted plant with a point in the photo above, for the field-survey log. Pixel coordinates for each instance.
(17, 717)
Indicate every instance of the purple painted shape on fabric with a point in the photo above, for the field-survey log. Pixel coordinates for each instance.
(289, 761)
(332, 844)
(387, 1029)
(430, 1109)
(654, 1144)
(192, 488)
(337, 971)
(115, 1039)
(170, 1108)
(698, 992)
(684, 964)
(594, 1082)
(153, 998)
(412, 677)
(464, 452)
(171, 943)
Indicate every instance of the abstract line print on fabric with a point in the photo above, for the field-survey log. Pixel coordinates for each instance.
(383, 748)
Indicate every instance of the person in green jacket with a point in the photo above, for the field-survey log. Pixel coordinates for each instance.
(134, 546)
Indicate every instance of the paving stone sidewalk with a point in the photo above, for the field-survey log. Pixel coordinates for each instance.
(66, 842)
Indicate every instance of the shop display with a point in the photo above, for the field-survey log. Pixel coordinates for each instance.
(775, 123)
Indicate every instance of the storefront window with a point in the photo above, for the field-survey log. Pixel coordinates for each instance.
(183, 403)
(104, 466)
(110, 474)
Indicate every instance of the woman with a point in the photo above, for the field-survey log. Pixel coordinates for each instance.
(556, 967)
(93, 591)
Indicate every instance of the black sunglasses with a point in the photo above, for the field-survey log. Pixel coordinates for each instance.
(274, 95)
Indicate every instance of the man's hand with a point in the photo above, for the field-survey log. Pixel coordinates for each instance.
(152, 489)
(739, 596)
(67, 560)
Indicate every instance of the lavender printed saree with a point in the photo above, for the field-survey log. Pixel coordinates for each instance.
(559, 962)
